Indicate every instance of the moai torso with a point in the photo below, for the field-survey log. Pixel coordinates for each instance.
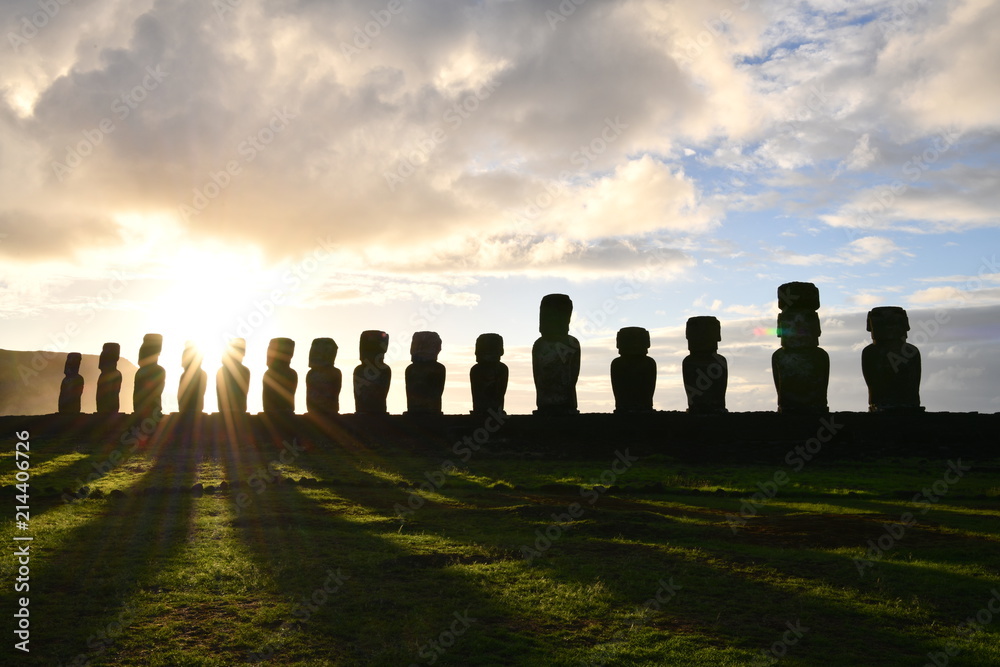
(705, 371)
(891, 366)
(280, 379)
(109, 382)
(633, 374)
(71, 389)
(150, 379)
(232, 381)
(323, 381)
(425, 376)
(193, 382)
(555, 358)
(801, 368)
(372, 376)
(489, 376)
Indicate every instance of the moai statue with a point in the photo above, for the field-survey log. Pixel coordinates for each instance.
(489, 376)
(425, 376)
(280, 379)
(149, 379)
(891, 366)
(71, 388)
(372, 376)
(705, 371)
(109, 383)
(555, 358)
(801, 367)
(232, 382)
(323, 381)
(633, 374)
(194, 381)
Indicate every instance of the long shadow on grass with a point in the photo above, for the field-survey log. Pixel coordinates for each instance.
(397, 595)
(81, 584)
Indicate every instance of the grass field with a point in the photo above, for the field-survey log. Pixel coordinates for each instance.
(342, 553)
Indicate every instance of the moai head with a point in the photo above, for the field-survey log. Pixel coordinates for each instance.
(703, 334)
(236, 349)
(554, 315)
(798, 296)
(373, 345)
(191, 357)
(110, 355)
(799, 328)
(425, 346)
(632, 341)
(149, 352)
(279, 352)
(323, 353)
(489, 348)
(73, 360)
(888, 323)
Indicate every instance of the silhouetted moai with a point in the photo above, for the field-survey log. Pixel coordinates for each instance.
(194, 381)
(555, 358)
(425, 376)
(232, 381)
(71, 389)
(705, 371)
(323, 381)
(372, 376)
(633, 374)
(109, 383)
(280, 379)
(489, 376)
(801, 367)
(891, 366)
(149, 379)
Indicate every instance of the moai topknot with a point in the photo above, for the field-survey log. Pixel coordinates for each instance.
(280, 379)
(149, 379)
(801, 367)
(555, 358)
(109, 383)
(194, 381)
(633, 374)
(372, 376)
(323, 381)
(489, 376)
(891, 366)
(705, 371)
(425, 376)
(71, 388)
(232, 382)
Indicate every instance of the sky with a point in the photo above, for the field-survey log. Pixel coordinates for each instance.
(308, 168)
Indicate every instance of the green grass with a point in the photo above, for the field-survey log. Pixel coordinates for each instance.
(171, 578)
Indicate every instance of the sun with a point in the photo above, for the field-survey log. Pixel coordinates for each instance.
(207, 293)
